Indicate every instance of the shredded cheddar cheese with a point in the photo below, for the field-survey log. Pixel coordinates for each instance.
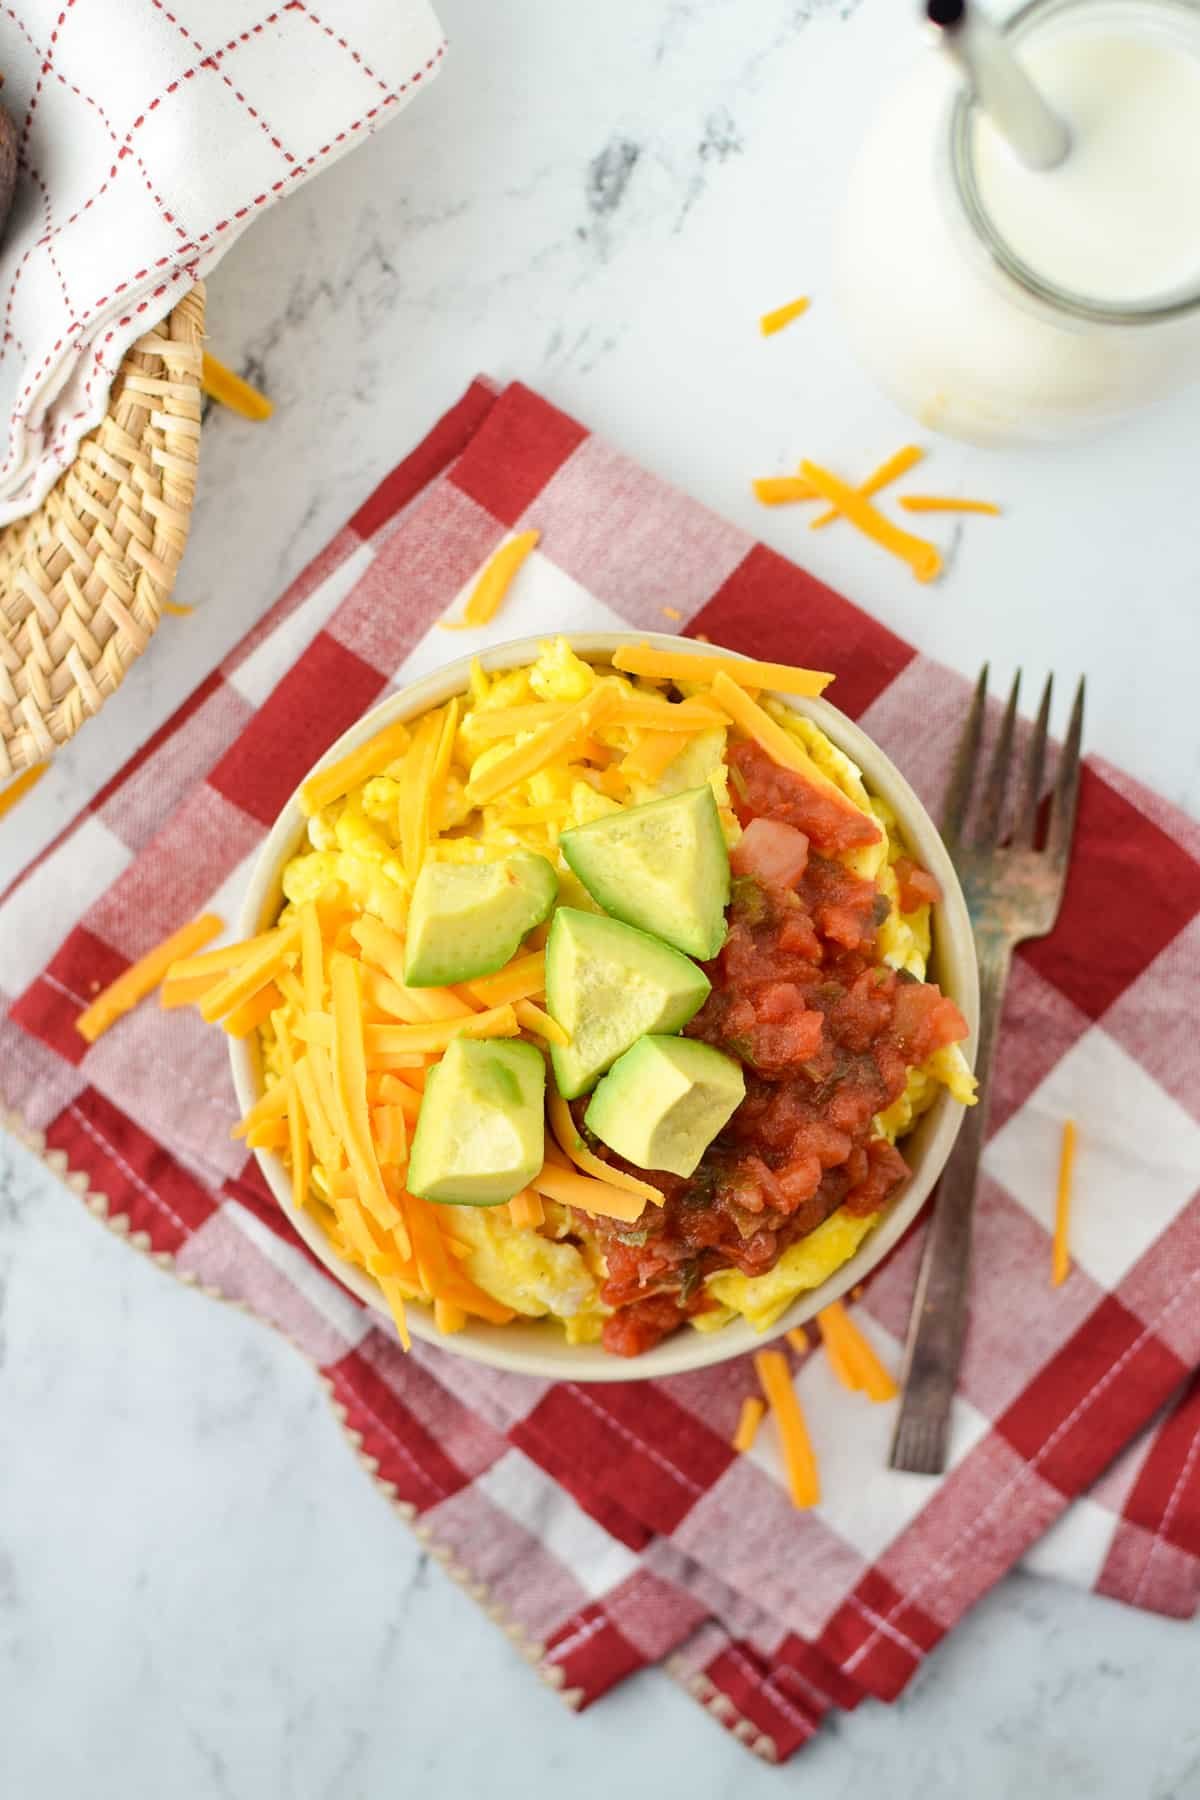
(922, 557)
(380, 946)
(272, 1135)
(744, 672)
(312, 957)
(321, 1128)
(250, 1014)
(417, 778)
(439, 1003)
(20, 787)
(879, 1384)
(498, 1021)
(804, 1483)
(780, 745)
(888, 471)
(441, 767)
(928, 503)
(405, 1046)
(143, 976)
(297, 1135)
(836, 1360)
(393, 1293)
(271, 1105)
(532, 1018)
(386, 996)
(649, 714)
(448, 1317)
(357, 766)
(1061, 1263)
(540, 749)
(252, 973)
(185, 992)
(510, 721)
(853, 1356)
(178, 609)
(523, 979)
(216, 962)
(783, 490)
(489, 591)
(564, 1129)
(350, 1097)
(749, 1420)
(526, 1210)
(322, 1068)
(602, 1197)
(389, 1131)
(360, 1241)
(291, 990)
(834, 1327)
(655, 753)
(798, 1339)
(774, 321)
(395, 1092)
(431, 802)
(230, 390)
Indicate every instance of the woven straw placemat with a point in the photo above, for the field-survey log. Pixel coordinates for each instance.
(83, 579)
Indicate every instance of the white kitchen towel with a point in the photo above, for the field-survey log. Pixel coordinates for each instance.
(149, 136)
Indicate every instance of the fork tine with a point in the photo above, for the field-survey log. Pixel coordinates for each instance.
(1035, 764)
(987, 833)
(962, 775)
(1066, 791)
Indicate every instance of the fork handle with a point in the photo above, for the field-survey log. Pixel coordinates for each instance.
(937, 1325)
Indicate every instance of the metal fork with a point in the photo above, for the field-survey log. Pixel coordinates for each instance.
(1014, 891)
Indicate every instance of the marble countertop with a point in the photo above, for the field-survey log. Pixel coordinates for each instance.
(599, 201)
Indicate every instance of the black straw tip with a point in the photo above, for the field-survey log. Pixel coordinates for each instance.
(945, 13)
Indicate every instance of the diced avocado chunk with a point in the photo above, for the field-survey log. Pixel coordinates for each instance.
(662, 867)
(480, 1136)
(468, 919)
(607, 985)
(661, 1104)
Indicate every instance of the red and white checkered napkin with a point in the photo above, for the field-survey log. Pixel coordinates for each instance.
(611, 1527)
(150, 135)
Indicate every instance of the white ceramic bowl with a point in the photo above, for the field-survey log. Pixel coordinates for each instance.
(537, 1348)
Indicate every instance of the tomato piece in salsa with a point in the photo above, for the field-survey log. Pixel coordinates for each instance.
(761, 789)
(826, 1036)
(917, 886)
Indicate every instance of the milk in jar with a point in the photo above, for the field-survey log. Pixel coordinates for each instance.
(1000, 303)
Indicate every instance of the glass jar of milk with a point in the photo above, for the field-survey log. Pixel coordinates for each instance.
(999, 303)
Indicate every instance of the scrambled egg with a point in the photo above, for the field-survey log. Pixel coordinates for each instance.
(806, 1264)
(357, 842)
(531, 1272)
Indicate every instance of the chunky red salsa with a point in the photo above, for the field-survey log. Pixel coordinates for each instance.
(826, 1036)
